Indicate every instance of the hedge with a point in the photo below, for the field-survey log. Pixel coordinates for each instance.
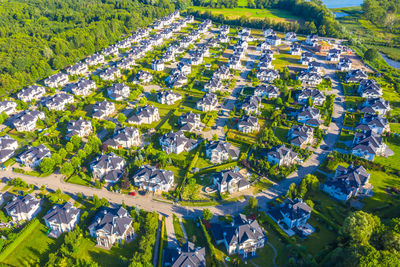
(24, 233)
(162, 239)
(218, 168)
(210, 246)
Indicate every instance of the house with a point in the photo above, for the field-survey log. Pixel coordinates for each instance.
(315, 67)
(26, 120)
(33, 156)
(220, 151)
(33, 92)
(333, 55)
(78, 69)
(168, 97)
(295, 49)
(7, 147)
(196, 60)
(309, 78)
(251, 104)
(95, 59)
(310, 116)
(126, 137)
(293, 214)
(356, 76)
(62, 218)
(222, 72)
(230, 181)
(8, 107)
(108, 167)
(145, 115)
(243, 236)
(376, 106)
(118, 91)
(177, 143)
(126, 63)
(273, 40)
(152, 179)
(282, 156)
(344, 64)
(112, 226)
(187, 255)
(316, 96)
(83, 87)
(23, 208)
(267, 75)
(268, 32)
(209, 102)
(312, 39)
(291, 37)
(235, 63)
(109, 51)
(375, 123)
(223, 38)
(213, 85)
(224, 29)
(157, 65)
(57, 80)
(177, 79)
(306, 58)
(369, 88)
(263, 46)
(168, 56)
(348, 182)
(368, 145)
(248, 124)
(301, 135)
(79, 127)
(143, 77)
(189, 122)
(103, 109)
(110, 74)
(58, 101)
(265, 63)
(267, 91)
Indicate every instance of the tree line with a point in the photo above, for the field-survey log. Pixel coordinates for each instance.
(383, 13)
(39, 36)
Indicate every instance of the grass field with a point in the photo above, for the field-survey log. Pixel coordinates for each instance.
(233, 13)
(395, 128)
(392, 161)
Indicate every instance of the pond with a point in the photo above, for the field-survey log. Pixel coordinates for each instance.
(340, 14)
(390, 62)
(342, 3)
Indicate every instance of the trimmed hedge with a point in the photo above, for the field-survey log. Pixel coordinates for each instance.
(162, 239)
(24, 233)
(210, 246)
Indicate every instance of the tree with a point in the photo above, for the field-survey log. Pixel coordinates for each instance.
(207, 214)
(121, 118)
(76, 141)
(252, 206)
(215, 137)
(359, 226)
(371, 54)
(63, 153)
(309, 102)
(279, 101)
(69, 147)
(47, 165)
(67, 168)
(57, 159)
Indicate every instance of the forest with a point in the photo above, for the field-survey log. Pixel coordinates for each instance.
(40, 36)
(383, 13)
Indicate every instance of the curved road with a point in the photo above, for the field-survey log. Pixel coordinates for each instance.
(55, 181)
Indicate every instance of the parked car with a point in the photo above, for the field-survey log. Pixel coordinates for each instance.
(133, 193)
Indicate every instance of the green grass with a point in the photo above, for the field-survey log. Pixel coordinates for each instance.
(76, 179)
(395, 128)
(281, 133)
(178, 230)
(233, 13)
(284, 59)
(393, 161)
(194, 233)
(261, 185)
(319, 239)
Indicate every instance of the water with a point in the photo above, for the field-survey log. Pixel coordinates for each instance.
(342, 3)
(340, 14)
(391, 62)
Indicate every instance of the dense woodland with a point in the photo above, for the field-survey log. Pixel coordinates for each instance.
(383, 13)
(38, 36)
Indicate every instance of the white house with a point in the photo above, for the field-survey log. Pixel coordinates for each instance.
(62, 218)
(23, 208)
(153, 179)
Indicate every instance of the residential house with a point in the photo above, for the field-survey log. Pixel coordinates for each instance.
(273, 40)
(110, 74)
(82, 87)
(23, 208)
(103, 109)
(267, 91)
(213, 85)
(26, 120)
(282, 156)
(376, 106)
(8, 107)
(295, 49)
(333, 55)
(126, 137)
(344, 64)
(243, 236)
(187, 255)
(209, 102)
(220, 151)
(168, 97)
(291, 37)
(316, 96)
(348, 182)
(33, 92)
(267, 75)
(145, 115)
(143, 77)
(312, 39)
(78, 69)
(7, 147)
(118, 91)
(306, 58)
(189, 121)
(62, 218)
(301, 135)
(57, 80)
(177, 79)
(33, 156)
(112, 226)
(58, 101)
(251, 104)
(177, 143)
(126, 63)
(310, 116)
(356, 76)
(368, 145)
(109, 167)
(79, 127)
(248, 124)
(375, 123)
(230, 181)
(95, 59)
(309, 78)
(222, 72)
(157, 65)
(369, 88)
(152, 179)
(224, 29)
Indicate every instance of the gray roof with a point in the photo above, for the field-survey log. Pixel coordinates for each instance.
(21, 204)
(62, 214)
(112, 221)
(188, 255)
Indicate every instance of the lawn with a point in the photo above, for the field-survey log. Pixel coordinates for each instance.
(393, 161)
(194, 233)
(281, 133)
(234, 13)
(320, 238)
(284, 59)
(77, 179)
(178, 230)
(35, 247)
(395, 128)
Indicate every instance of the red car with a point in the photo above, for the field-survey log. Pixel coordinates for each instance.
(132, 193)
